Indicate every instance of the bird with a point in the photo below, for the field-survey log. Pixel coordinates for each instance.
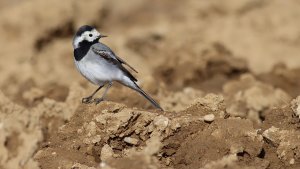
(101, 66)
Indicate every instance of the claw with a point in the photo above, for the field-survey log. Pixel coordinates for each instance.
(98, 100)
(87, 100)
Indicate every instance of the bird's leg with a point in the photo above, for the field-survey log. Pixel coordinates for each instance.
(98, 100)
(88, 99)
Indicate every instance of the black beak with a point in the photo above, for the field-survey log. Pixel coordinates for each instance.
(102, 36)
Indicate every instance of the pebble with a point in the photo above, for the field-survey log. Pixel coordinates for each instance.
(209, 118)
(130, 140)
(161, 122)
(292, 161)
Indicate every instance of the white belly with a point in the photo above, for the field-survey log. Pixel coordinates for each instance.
(97, 70)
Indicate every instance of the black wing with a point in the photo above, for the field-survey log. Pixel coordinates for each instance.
(111, 58)
(123, 62)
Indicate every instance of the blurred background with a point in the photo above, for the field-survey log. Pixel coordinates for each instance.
(153, 36)
(182, 50)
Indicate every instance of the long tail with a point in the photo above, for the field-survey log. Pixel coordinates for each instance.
(141, 91)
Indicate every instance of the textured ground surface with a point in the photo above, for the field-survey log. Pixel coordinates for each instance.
(226, 72)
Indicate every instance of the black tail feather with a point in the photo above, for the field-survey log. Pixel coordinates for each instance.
(154, 103)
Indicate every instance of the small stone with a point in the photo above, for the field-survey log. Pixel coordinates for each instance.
(161, 122)
(209, 118)
(130, 140)
(272, 135)
(102, 164)
(292, 161)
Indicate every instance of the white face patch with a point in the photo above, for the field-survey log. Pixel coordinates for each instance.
(89, 36)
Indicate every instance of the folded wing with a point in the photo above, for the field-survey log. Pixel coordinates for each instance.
(110, 57)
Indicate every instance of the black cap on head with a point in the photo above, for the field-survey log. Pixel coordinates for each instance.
(83, 29)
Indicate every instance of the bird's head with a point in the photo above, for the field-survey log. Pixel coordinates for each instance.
(87, 34)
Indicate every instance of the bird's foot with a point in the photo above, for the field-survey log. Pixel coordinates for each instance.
(87, 100)
(98, 100)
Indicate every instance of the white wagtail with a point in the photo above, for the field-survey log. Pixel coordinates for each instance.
(100, 65)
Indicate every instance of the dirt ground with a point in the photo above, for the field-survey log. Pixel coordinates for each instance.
(227, 74)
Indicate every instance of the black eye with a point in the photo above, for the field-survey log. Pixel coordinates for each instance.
(90, 35)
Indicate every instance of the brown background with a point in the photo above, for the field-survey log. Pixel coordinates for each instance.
(236, 59)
